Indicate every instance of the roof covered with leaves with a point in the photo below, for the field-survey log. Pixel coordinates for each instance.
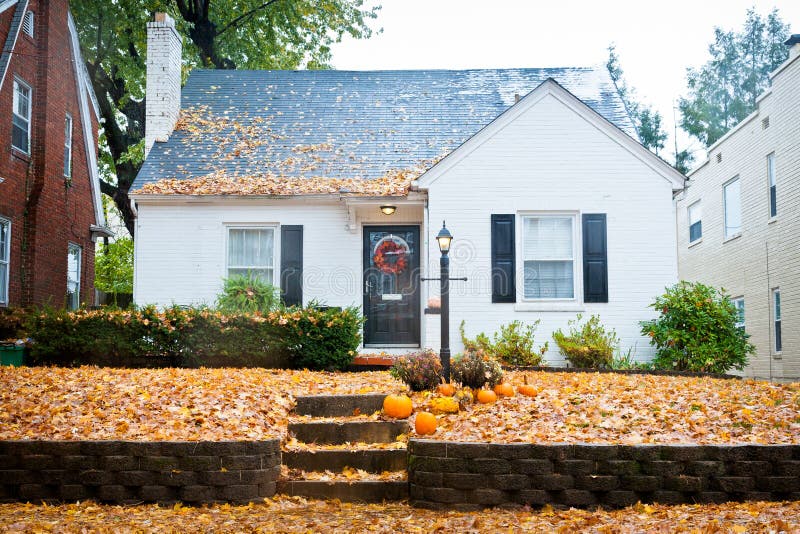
(369, 133)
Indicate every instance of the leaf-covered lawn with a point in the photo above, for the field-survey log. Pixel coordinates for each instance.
(283, 514)
(252, 404)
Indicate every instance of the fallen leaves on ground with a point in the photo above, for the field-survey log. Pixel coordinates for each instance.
(252, 404)
(291, 444)
(162, 404)
(631, 409)
(348, 474)
(294, 514)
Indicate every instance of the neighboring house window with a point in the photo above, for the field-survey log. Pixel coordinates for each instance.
(773, 191)
(695, 221)
(776, 301)
(732, 199)
(549, 257)
(68, 147)
(21, 117)
(5, 257)
(73, 277)
(252, 251)
(27, 24)
(738, 303)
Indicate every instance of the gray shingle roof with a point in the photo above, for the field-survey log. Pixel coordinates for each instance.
(348, 124)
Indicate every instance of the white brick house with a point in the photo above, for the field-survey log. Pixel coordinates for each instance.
(556, 209)
(739, 222)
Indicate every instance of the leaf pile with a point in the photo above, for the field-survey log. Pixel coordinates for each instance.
(162, 404)
(348, 474)
(293, 514)
(631, 409)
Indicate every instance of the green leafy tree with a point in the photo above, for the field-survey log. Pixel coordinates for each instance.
(223, 34)
(645, 119)
(724, 90)
(113, 269)
(696, 330)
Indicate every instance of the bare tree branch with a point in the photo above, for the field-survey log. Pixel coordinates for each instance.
(247, 15)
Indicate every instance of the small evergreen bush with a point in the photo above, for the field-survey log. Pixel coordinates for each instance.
(419, 370)
(247, 294)
(587, 345)
(696, 330)
(475, 369)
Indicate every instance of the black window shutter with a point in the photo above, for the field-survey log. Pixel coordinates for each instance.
(292, 265)
(503, 285)
(595, 258)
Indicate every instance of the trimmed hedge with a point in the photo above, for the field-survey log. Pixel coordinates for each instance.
(311, 337)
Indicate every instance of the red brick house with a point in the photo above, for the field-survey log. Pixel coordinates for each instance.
(50, 207)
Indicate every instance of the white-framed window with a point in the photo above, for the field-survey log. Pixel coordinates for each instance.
(68, 146)
(251, 251)
(548, 252)
(695, 214)
(732, 202)
(773, 189)
(5, 259)
(776, 317)
(738, 303)
(27, 24)
(21, 117)
(73, 276)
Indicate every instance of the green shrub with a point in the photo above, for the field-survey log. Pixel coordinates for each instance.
(247, 294)
(512, 345)
(587, 345)
(627, 361)
(192, 337)
(320, 338)
(12, 323)
(696, 330)
(475, 369)
(419, 370)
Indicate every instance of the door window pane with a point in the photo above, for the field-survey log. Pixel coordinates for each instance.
(548, 251)
(251, 250)
(733, 208)
(73, 277)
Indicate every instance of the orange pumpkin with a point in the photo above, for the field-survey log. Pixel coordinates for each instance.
(504, 390)
(486, 396)
(448, 390)
(527, 390)
(397, 406)
(425, 423)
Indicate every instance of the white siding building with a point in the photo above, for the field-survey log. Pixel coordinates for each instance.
(739, 223)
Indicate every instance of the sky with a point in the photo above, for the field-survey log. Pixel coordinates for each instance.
(655, 41)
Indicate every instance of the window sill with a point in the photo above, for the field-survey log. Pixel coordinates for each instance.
(695, 242)
(731, 238)
(549, 306)
(777, 355)
(17, 153)
(772, 220)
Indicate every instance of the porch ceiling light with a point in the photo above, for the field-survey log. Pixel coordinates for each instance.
(388, 209)
(444, 238)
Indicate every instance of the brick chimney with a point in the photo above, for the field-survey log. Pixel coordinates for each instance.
(163, 93)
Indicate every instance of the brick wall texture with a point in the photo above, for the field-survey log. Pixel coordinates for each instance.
(46, 212)
(125, 472)
(477, 475)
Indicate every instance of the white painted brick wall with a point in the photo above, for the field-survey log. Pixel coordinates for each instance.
(163, 91)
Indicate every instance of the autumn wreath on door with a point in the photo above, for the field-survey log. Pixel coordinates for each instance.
(390, 254)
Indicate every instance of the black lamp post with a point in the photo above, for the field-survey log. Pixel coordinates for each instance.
(444, 238)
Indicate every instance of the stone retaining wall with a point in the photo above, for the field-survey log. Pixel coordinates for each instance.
(128, 472)
(476, 475)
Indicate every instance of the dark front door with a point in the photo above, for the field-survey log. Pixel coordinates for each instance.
(391, 285)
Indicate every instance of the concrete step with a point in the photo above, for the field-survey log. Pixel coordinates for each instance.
(338, 405)
(360, 491)
(372, 461)
(349, 431)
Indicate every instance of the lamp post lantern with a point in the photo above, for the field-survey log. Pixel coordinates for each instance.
(444, 238)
